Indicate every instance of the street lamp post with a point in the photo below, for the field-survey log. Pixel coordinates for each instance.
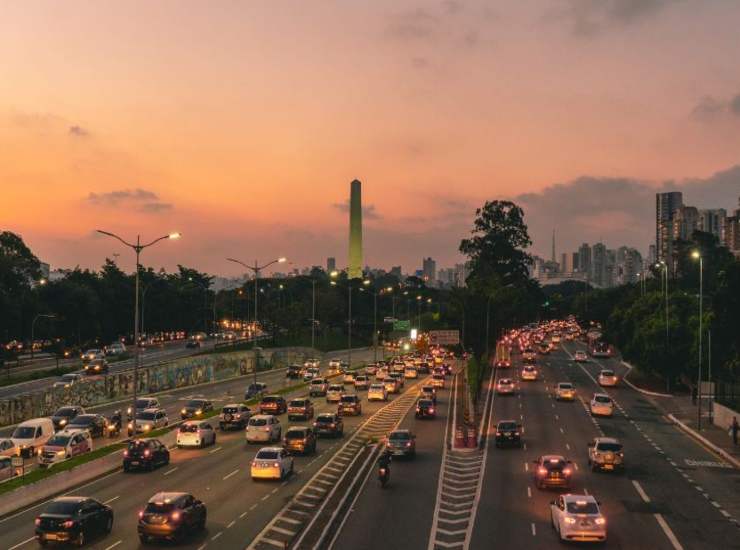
(697, 256)
(256, 268)
(137, 248)
(33, 326)
(366, 282)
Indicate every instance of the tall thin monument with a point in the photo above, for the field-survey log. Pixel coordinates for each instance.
(552, 258)
(354, 270)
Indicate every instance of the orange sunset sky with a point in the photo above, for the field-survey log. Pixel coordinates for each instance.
(241, 123)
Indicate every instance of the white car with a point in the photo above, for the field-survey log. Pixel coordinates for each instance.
(505, 386)
(565, 391)
(334, 393)
(148, 420)
(196, 433)
(602, 405)
(580, 357)
(68, 380)
(578, 518)
(264, 428)
(370, 370)
(92, 355)
(381, 373)
(348, 378)
(361, 382)
(116, 348)
(334, 364)
(311, 373)
(607, 378)
(311, 363)
(377, 392)
(410, 373)
(529, 372)
(64, 445)
(318, 387)
(271, 463)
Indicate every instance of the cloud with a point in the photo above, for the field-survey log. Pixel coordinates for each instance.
(138, 199)
(592, 17)
(419, 62)
(710, 108)
(78, 131)
(368, 210)
(412, 25)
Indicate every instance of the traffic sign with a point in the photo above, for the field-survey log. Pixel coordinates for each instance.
(444, 337)
(402, 325)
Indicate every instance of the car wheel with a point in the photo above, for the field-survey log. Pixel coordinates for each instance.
(80, 542)
(143, 539)
(109, 524)
(221, 427)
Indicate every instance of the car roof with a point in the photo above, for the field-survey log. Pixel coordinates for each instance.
(298, 428)
(507, 421)
(71, 499)
(235, 405)
(602, 395)
(401, 430)
(193, 422)
(605, 371)
(573, 498)
(273, 449)
(166, 497)
(565, 383)
(607, 440)
(327, 414)
(153, 410)
(547, 458)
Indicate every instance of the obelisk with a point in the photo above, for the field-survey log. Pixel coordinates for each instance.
(354, 269)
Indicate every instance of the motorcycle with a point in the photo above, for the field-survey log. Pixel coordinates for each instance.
(114, 424)
(384, 470)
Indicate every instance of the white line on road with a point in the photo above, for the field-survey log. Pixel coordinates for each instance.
(252, 507)
(567, 446)
(214, 450)
(241, 516)
(668, 532)
(534, 530)
(214, 537)
(585, 491)
(111, 499)
(526, 466)
(230, 525)
(227, 476)
(561, 431)
(266, 497)
(22, 543)
(640, 491)
(114, 545)
(529, 492)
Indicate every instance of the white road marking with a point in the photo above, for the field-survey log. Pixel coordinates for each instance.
(724, 513)
(585, 491)
(111, 499)
(529, 492)
(266, 496)
(114, 544)
(640, 491)
(241, 516)
(22, 543)
(668, 532)
(214, 537)
(567, 446)
(561, 431)
(227, 476)
(230, 525)
(526, 466)
(214, 450)
(252, 507)
(534, 530)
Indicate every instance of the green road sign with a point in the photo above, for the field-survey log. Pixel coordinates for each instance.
(402, 325)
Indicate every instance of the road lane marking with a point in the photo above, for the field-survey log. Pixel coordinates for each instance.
(241, 516)
(668, 533)
(114, 545)
(529, 492)
(268, 495)
(575, 465)
(526, 466)
(252, 507)
(640, 491)
(111, 499)
(214, 537)
(227, 476)
(214, 450)
(561, 431)
(585, 491)
(567, 446)
(230, 525)
(725, 513)
(22, 543)
(534, 530)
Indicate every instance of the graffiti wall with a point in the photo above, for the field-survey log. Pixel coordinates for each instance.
(180, 373)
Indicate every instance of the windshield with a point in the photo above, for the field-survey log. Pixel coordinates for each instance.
(613, 447)
(59, 441)
(231, 409)
(376, 387)
(69, 377)
(138, 445)
(269, 399)
(602, 399)
(317, 382)
(258, 422)
(325, 419)
(507, 426)
(62, 508)
(160, 507)
(146, 416)
(24, 432)
(196, 403)
(298, 403)
(295, 434)
(565, 386)
(142, 403)
(66, 411)
(189, 428)
(267, 455)
(582, 507)
(607, 373)
(401, 436)
(349, 399)
(438, 376)
(425, 403)
(336, 388)
(505, 382)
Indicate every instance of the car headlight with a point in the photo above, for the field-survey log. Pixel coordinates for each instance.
(60, 453)
(570, 520)
(199, 411)
(183, 411)
(147, 427)
(600, 521)
(62, 422)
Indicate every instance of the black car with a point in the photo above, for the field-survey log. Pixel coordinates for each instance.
(73, 520)
(96, 366)
(273, 404)
(171, 516)
(96, 424)
(195, 408)
(293, 371)
(425, 409)
(329, 424)
(145, 454)
(552, 471)
(65, 415)
(193, 344)
(255, 390)
(508, 432)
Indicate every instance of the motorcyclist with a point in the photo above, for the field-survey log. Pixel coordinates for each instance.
(384, 462)
(115, 422)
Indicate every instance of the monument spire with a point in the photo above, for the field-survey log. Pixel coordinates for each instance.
(354, 267)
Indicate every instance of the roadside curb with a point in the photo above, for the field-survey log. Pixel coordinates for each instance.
(631, 385)
(704, 441)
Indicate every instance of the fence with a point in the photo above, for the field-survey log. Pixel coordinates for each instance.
(728, 394)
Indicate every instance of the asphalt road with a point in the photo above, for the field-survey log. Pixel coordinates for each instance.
(238, 508)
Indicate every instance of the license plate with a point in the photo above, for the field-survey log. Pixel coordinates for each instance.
(134, 463)
(51, 536)
(608, 466)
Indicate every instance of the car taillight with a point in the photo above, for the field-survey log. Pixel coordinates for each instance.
(276, 465)
(408, 443)
(125, 453)
(267, 428)
(516, 433)
(542, 471)
(147, 452)
(498, 433)
(141, 514)
(332, 425)
(68, 524)
(175, 516)
(431, 410)
(37, 521)
(567, 471)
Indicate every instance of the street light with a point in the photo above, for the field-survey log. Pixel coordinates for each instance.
(367, 282)
(33, 325)
(256, 268)
(696, 255)
(137, 248)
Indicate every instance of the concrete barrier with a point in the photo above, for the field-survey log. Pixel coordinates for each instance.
(704, 441)
(722, 416)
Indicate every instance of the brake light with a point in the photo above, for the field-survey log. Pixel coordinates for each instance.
(267, 428)
(498, 433)
(542, 471)
(141, 514)
(37, 521)
(147, 452)
(276, 465)
(175, 516)
(408, 443)
(567, 471)
(125, 453)
(68, 524)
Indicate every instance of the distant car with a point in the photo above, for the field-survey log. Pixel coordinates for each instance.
(508, 432)
(361, 382)
(255, 389)
(529, 354)
(271, 463)
(148, 420)
(410, 373)
(607, 378)
(30, 435)
(300, 408)
(312, 363)
(578, 518)
(334, 365)
(263, 428)
(68, 380)
(580, 357)
(73, 520)
(318, 387)
(606, 454)
(116, 348)
(330, 424)
(310, 373)
(293, 371)
(381, 373)
(602, 405)
(92, 355)
(145, 454)
(529, 372)
(425, 409)
(401, 443)
(552, 471)
(195, 408)
(234, 415)
(350, 405)
(398, 377)
(273, 404)
(334, 393)
(505, 386)
(63, 445)
(192, 343)
(565, 391)
(171, 516)
(377, 392)
(543, 349)
(143, 403)
(96, 366)
(348, 378)
(371, 369)
(300, 439)
(438, 380)
(94, 423)
(196, 433)
(428, 391)
(64, 415)
(7, 470)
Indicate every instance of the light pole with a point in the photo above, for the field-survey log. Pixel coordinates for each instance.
(664, 284)
(697, 256)
(256, 268)
(366, 282)
(137, 248)
(418, 311)
(33, 326)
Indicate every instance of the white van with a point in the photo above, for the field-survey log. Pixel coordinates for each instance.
(29, 436)
(63, 445)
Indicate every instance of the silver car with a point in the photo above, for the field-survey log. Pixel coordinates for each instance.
(606, 453)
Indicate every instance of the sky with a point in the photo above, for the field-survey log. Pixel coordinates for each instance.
(241, 123)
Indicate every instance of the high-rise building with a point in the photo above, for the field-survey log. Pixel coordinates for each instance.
(354, 269)
(576, 261)
(598, 264)
(665, 205)
(396, 272)
(652, 255)
(331, 264)
(584, 259)
(732, 231)
(713, 221)
(685, 222)
(429, 271)
(461, 274)
(566, 263)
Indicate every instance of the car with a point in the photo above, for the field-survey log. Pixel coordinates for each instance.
(565, 391)
(578, 518)
(580, 356)
(318, 387)
(401, 443)
(329, 424)
(263, 428)
(606, 454)
(529, 354)
(68, 380)
(7, 447)
(343, 366)
(234, 415)
(543, 349)
(147, 421)
(92, 355)
(311, 363)
(273, 404)
(607, 378)
(348, 378)
(552, 471)
(601, 405)
(96, 366)
(438, 380)
(196, 433)
(146, 454)
(361, 382)
(428, 391)
(529, 373)
(63, 445)
(398, 377)
(349, 405)
(116, 348)
(255, 389)
(293, 372)
(425, 409)
(310, 373)
(381, 374)
(377, 392)
(334, 365)
(300, 408)
(64, 415)
(193, 343)
(391, 385)
(195, 408)
(371, 369)
(143, 403)
(171, 516)
(505, 386)
(334, 393)
(410, 373)
(29, 436)
(300, 439)
(508, 432)
(7, 470)
(73, 520)
(271, 463)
